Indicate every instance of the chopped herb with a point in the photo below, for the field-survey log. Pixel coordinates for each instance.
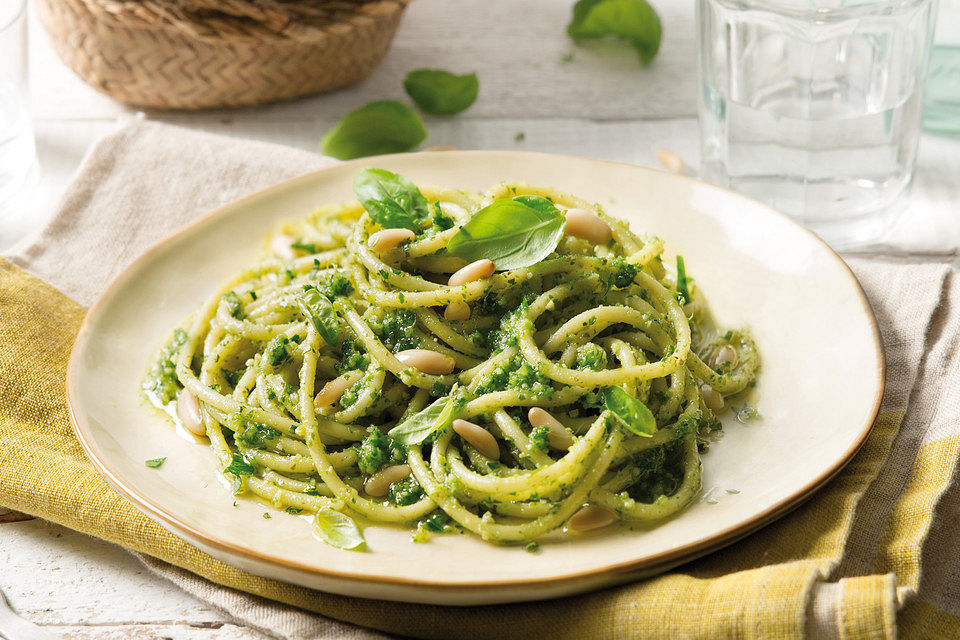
(531, 547)
(539, 437)
(278, 350)
(162, 378)
(396, 330)
(684, 294)
(239, 466)
(437, 521)
(156, 462)
(233, 304)
(293, 510)
(377, 451)
(309, 247)
(251, 434)
(520, 136)
(266, 516)
(405, 492)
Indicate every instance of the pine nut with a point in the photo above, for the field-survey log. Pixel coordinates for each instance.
(426, 361)
(670, 160)
(477, 270)
(387, 239)
(379, 483)
(588, 226)
(280, 245)
(188, 410)
(457, 311)
(332, 391)
(728, 355)
(478, 437)
(558, 437)
(711, 397)
(591, 517)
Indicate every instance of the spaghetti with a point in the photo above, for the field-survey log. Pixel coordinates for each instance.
(375, 365)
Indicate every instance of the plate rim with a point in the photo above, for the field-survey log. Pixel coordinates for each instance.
(661, 561)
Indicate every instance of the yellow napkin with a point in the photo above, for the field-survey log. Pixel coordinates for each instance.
(767, 586)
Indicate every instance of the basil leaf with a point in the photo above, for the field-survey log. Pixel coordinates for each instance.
(682, 281)
(337, 530)
(386, 126)
(440, 92)
(391, 200)
(630, 412)
(318, 310)
(421, 425)
(156, 462)
(631, 20)
(514, 233)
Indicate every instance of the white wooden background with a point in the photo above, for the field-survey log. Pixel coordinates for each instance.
(601, 104)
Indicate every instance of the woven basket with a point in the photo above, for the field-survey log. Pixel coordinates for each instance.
(193, 54)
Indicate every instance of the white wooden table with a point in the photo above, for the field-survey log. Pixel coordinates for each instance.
(601, 104)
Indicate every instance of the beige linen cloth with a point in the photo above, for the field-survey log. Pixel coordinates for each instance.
(882, 537)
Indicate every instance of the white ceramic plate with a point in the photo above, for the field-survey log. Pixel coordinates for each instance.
(818, 392)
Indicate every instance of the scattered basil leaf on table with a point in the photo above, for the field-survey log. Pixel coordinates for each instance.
(440, 92)
(682, 281)
(156, 462)
(421, 425)
(631, 20)
(513, 232)
(337, 529)
(392, 201)
(630, 412)
(385, 126)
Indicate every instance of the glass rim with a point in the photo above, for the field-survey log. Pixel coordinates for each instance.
(20, 8)
(793, 8)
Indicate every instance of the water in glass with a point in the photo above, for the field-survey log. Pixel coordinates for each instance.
(814, 107)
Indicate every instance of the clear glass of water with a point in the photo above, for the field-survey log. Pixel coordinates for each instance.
(942, 108)
(18, 154)
(814, 106)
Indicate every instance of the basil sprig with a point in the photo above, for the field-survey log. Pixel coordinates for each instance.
(421, 425)
(337, 529)
(440, 92)
(385, 126)
(632, 20)
(630, 412)
(513, 232)
(392, 201)
(320, 312)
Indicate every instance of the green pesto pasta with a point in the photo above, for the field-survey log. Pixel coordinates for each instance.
(379, 362)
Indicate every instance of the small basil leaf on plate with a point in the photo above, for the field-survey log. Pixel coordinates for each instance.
(436, 416)
(156, 462)
(440, 92)
(320, 312)
(392, 201)
(631, 20)
(513, 232)
(386, 126)
(337, 529)
(630, 412)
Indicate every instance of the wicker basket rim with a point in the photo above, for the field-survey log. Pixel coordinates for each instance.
(149, 16)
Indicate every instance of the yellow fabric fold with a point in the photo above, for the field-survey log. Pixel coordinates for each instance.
(759, 588)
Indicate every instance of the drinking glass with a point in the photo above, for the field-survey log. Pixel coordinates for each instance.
(814, 106)
(941, 111)
(18, 154)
